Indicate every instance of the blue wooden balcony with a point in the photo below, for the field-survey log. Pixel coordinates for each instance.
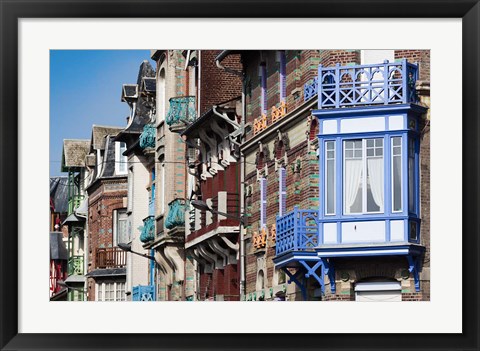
(148, 229)
(351, 86)
(147, 138)
(182, 111)
(143, 293)
(303, 243)
(297, 231)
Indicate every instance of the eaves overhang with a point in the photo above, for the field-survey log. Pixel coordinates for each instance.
(369, 110)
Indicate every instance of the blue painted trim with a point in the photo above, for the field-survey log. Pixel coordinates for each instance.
(370, 110)
(362, 135)
(311, 271)
(329, 270)
(368, 250)
(413, 267)
(321, 177)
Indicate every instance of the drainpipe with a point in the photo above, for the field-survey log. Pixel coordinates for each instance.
(240, 74)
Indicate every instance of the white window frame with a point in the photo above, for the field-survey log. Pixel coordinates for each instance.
(120, 159)
(116, 215)
(100, 290)
(392, 156)
(334, 177)
(411, 150)
(364, 176)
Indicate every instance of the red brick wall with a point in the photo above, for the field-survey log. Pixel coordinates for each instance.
(101, 205)
(217, 85)
(343, 57)
(421, 57)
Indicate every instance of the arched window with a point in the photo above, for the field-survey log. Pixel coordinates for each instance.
(260, 160)
(161, 101)
(280, 150)
(313, 129)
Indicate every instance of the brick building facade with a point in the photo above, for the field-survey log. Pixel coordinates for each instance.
(107, 200)
(290, 142)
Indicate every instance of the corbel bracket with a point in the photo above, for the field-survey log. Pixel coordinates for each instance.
(413, 267)
(294, 278)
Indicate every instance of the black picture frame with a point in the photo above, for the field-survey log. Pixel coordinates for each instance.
(11, 11)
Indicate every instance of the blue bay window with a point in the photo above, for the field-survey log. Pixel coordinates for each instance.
(369, 190)
(370, 183)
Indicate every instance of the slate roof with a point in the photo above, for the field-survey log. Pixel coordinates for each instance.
(74, 152)
(146, 81)
(99, 133)
(58, 251)
(107, 272)
(59, 194)
(108, 166)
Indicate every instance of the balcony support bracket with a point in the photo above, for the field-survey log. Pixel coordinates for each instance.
(294, 278)
(413, 267)
(329, 269)
(311, 272)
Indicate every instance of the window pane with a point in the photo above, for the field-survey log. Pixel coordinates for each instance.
(411, 178)
(375, 187)
(397, 174)
(330, 178)
(353, 186)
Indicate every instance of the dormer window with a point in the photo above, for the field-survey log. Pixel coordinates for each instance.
(121, 162)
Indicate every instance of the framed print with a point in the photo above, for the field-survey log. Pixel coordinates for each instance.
(283, 154)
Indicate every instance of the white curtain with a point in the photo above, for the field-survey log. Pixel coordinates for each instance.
(375, 171)
(353, 177)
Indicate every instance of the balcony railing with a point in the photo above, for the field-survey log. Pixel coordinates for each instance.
(378, 84)
(112, 257)
(143, 293)
(310, 89)
(148, 229)
(297, 231)
(75, 265)
(176, 214)
(147, 138)
(182, 110)
(74, 202)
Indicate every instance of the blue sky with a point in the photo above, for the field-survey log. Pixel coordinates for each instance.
(85, 89)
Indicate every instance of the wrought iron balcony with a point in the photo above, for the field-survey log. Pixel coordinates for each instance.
(147, 138)
(112, 257)
(143, 293)
(148, 229)
(73, 203)
(297, 231)
(351, 86)
(176, 214)
(182, 111)
(75, 265)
